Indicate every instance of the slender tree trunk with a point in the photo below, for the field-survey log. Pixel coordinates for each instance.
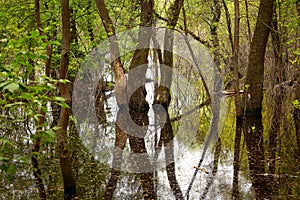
(248, 20)
(73, 32)
(238, 107)
(89, 23)
(228, 22)
(138, 106)
(211, 179)
(163, 92)
(253, 127)
(120, 94)
(278, 94)
(37, 143)
(297, 94)
(64, 154)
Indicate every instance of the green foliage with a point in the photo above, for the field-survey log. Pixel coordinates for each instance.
(296, 103)
(26, 93)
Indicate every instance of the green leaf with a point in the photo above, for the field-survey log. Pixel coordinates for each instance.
(4, 159)
(296, 103)
(34, 33)
(5, 83)
(63, 104)
(58, 99)
(42, 57)
(64, 81)
(11, 170)
(12, 87)
(50, 135)
(26, 96)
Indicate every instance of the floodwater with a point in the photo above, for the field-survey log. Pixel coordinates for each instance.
(198, 163)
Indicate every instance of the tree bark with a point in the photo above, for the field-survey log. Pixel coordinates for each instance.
(253, 127)
(64, 154)
(238, 107)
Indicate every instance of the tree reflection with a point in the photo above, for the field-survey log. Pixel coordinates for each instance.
(211, 179)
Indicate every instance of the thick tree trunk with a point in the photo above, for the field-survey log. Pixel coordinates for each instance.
(64, 154)
(253, 127)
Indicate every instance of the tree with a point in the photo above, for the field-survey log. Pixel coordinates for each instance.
(238, 106)
(64, 154)
(253, 130)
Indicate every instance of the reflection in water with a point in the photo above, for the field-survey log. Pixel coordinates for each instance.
(173, 154)
(171, 181)
(215, 169)
(172, 161)
(253, 132)
(167, 137)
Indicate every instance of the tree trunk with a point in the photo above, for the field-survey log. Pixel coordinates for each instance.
(64, 154)
(121, 97)
(217, 153)
(297, 94)
(253, 127)
(163, 97)
(138, 106)
(278, 94)
(238, 107)
(37, 143)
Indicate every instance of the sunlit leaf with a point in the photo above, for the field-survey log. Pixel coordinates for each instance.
(11, 87)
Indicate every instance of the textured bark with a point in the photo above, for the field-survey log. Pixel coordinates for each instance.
(236, 162)
(297, 128)
(120, 79)
(45, 40)
(64, 154)
(167, 138)
(253, 127)
(213, 31)
(100, 99)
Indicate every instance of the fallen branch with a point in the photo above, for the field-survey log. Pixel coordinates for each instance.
(205, 103)
(201, 169)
